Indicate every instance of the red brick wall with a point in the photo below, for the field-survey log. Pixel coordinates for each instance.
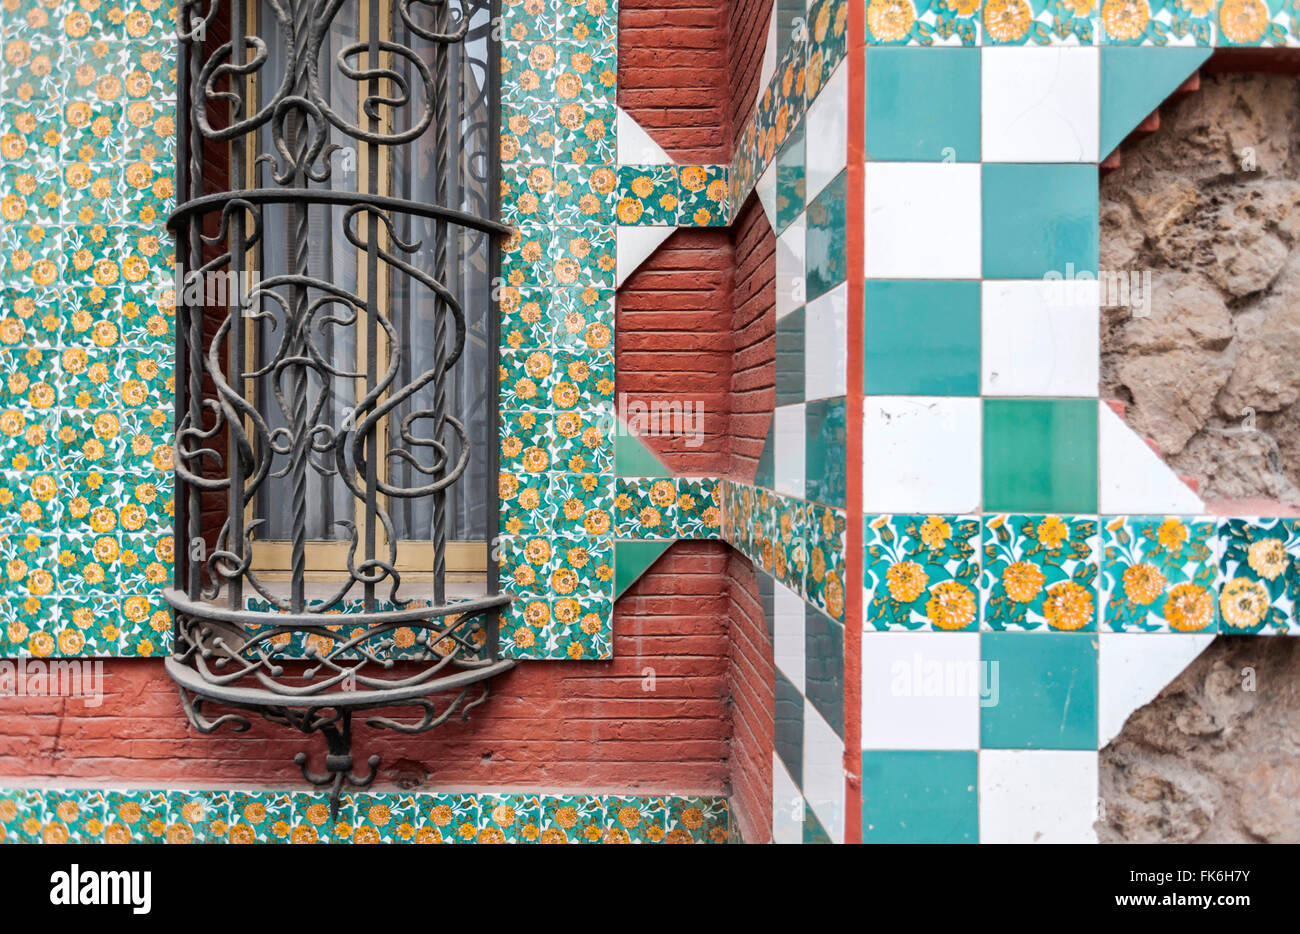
(753, 335)
(673, 75)
(582, 725)
(747, 22)
(673, 323)
(752, 674)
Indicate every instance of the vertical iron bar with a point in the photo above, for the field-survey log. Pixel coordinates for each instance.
(442, 135)
(180, 521)
(296, 331)
(235, 501)
(194, 316)
(372, 300)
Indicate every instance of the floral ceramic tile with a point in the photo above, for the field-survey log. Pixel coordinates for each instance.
(1260, 578)
(1159, 574)
(699, 509)
(1157, 22)
(1039, 22)
(649, 195)
(1256, 23)
(1040, 573)
(925, 22)
(922, 572)
(824, 582)
(703, 196)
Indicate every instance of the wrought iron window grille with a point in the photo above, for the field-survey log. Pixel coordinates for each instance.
(235, 629)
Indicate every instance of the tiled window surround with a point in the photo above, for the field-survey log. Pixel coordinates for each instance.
(141, 816)
(87, 142)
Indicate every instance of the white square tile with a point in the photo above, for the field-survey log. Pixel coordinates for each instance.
(790, 281)
(827, 125)
(921, 690)
(1040, 105)
(921, 454)
(1037, 796)
(825, 343)
(788, 633)
(923, 220)
(823, 772)
(1040, 338)
(787, 805)
(789, 452)
(1133, 667)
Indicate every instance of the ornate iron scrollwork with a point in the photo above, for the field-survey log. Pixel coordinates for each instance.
(235, 629)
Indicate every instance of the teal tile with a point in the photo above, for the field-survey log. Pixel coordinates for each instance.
(1040, 455)
(911, 796)
(791, 25)
(632, 559)
(824, 666)
(633, 459)
(791, 179)
(826, 255)
(920, 338)
(923, 104)
(813, 831)
(790, 358)
(1136, 81)
(765, 473)
(825, 452)
(788, 723)
(1045, 691)
(1039, 219)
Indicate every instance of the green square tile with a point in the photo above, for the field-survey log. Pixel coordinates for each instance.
(1045, 688)
(921, 338)
(788, 708)
(923, 104)
(824, 666)
(791, 179)
(1039, 219)
(825, 252)
(790, 358)
(825, 452)
(1040, 455)
(765, 473)
(920, 797)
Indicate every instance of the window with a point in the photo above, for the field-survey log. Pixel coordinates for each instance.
(449, 164)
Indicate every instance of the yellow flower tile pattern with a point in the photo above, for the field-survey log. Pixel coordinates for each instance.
(87, 143)
(180, 817)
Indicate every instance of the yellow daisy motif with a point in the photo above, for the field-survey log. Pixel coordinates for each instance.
(890, 20)
(1267, 558)
(1143, 583)
(1125, 19)
(935, 531)
(1023, 580)
(1171, 535)
(1052, 531)
(1007, 20)
(1189, 608)
(906, 581)
(1243, 20)
(951, 605)
(1068, 606)
(1243, 603)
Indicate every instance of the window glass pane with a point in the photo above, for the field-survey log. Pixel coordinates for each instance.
(448, 165)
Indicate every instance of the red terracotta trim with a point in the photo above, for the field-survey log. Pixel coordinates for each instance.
(855, 243)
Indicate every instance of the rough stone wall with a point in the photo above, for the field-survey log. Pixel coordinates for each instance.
(1210, 204)
(1215, 757)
